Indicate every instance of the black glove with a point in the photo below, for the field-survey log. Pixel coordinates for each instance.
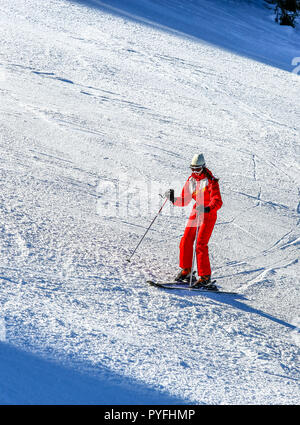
(203, 209)
(170, 195)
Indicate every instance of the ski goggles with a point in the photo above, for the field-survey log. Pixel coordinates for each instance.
(197, 170)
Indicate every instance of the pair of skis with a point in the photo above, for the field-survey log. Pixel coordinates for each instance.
(186, 287)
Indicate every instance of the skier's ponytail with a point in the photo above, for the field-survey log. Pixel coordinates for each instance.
(209, 174)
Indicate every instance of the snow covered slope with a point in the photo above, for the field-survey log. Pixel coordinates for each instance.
(100, 112)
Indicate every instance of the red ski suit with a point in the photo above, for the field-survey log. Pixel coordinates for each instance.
(204, 189)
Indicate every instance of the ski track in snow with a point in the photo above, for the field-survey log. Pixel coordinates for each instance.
(110, 100)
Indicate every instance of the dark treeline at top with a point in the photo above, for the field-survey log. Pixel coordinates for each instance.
(286, 11)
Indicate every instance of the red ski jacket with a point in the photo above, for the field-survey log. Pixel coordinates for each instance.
(204, 189)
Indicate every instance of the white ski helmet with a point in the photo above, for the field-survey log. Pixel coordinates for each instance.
(198, 161)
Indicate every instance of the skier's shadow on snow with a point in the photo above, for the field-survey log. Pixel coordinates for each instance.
(234, 301)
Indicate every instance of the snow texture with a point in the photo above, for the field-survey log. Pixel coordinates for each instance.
(103, 105)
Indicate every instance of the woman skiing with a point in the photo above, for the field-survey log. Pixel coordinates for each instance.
(202, 187)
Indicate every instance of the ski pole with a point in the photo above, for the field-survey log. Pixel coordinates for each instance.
(128, 259)
(195, 246)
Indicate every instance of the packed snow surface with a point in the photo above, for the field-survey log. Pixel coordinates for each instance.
(103, 105)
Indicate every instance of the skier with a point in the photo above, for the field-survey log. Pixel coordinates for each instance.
(202, 187)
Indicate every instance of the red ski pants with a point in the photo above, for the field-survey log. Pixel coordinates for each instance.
(206, 226)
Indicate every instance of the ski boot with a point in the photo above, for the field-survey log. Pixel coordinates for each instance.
(184, 276)
(205, 282)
